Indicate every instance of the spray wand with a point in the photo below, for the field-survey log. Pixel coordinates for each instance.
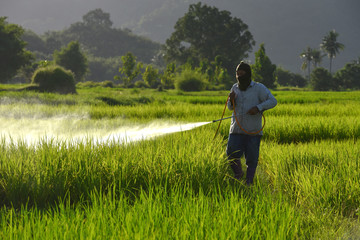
(223, 119)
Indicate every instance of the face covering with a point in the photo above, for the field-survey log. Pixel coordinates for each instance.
(244, 81)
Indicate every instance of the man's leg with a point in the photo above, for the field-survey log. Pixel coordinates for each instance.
(235, 149)
(252, 157)
(235, 165)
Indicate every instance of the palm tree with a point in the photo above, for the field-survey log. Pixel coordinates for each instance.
(307, 55)
(317, 57)
(331, 46)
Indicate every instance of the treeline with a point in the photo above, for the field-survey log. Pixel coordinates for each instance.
(201, 54)
(322, 79)
(102, 44)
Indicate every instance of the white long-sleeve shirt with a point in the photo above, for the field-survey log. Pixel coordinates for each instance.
(255, 95)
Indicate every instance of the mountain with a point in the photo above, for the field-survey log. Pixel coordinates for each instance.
(286, 27)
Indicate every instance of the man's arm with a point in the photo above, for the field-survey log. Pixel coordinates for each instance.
(232, 97)
(268, 101)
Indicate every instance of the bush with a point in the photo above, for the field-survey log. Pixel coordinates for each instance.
(107, 83)
(87, 84)
(283, 77)
(141, 84)
(54, 79)
(189, 80)
(91, 84)
(322, 80)
(287, 78)
(349, 76)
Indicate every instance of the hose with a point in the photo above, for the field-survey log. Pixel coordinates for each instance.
(237, 121)
(222, 116)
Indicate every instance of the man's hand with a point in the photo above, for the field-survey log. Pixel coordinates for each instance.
(232, 96)
(253, 111)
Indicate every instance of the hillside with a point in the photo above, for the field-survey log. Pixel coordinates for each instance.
(286, 27)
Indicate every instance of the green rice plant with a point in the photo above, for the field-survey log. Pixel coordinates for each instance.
(168, 112)
(318, 176)
(303, 97)
(159, 214)
(152, 183)
(177, 186)
(310, 129)
(339, 109)
(56, 169)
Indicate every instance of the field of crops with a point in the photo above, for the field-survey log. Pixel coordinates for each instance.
(178, 185)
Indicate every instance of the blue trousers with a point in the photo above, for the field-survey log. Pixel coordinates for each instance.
(243, 145)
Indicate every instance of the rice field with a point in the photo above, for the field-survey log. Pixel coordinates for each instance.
(176, 185)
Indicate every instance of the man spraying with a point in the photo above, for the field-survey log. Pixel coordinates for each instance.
(250, 99)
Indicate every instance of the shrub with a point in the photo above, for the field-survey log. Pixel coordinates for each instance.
(91, 84)
(283, 77)
(189, 80)
(54, 79)
(349, 76)
(141, 84)
(107, 83)
(322, 80)
(87, 84)
(287, 78)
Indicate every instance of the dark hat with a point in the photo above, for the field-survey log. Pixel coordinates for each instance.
(243, 66)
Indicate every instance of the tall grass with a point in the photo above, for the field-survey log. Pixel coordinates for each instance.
(57, 169)
(320, 175)
(179, 186)
(180, 214)
(168, 188)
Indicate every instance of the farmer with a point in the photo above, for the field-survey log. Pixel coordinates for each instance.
(250, 99)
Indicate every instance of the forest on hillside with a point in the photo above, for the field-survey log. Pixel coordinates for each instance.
(205, 40)
(102, 43)
(286, 27)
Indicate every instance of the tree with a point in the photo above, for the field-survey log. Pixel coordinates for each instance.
(168, 78)
(283, 77)
(99, 39)
(205, 32)
(102, 69)
(151, 76)
(129, 68)
(349, 76)
(263, 69)
(52, 43)
(215, 68)
(311, 56)
(12, 50)
(72, 59)
(96, 18)
(34, 42)
(298, 80)
(317, 57)
(307, 55)
(287, 78)
(331, 46)
(322, 80)
(225, 79)
(217, 76)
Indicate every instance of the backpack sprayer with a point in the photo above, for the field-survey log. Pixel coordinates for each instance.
(237, 121)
